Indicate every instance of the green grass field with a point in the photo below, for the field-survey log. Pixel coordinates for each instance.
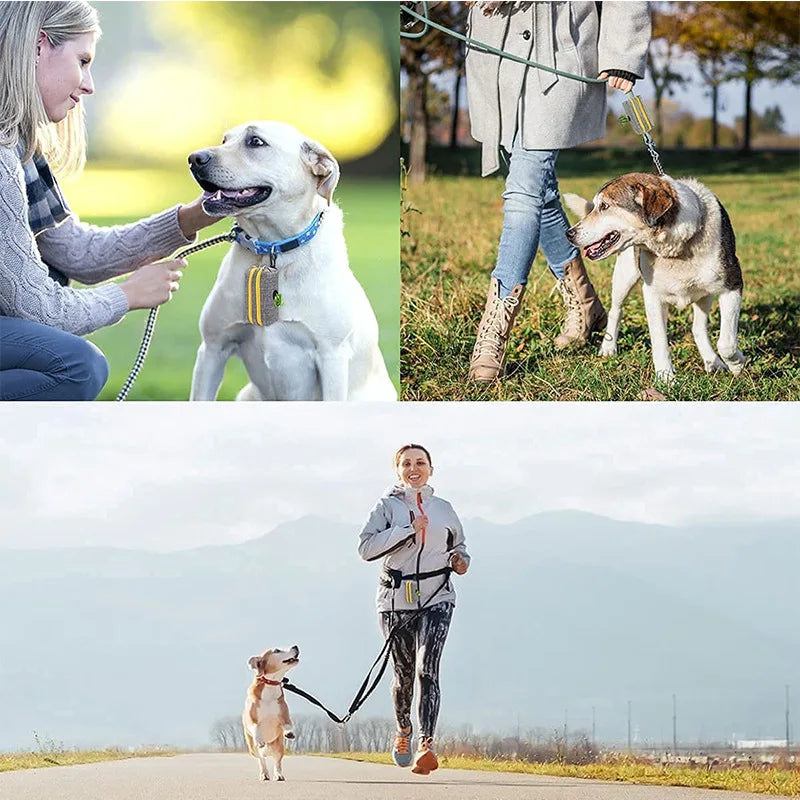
(453, 224)
(768, 781)
(106, 196)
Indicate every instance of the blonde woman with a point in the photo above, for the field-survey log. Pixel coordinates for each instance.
(46, 55)
(421, 541)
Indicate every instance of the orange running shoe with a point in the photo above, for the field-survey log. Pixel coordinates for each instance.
(425, 760)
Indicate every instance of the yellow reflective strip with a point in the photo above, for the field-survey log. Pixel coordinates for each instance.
(640, 113)
(258, 296)
(250, 295)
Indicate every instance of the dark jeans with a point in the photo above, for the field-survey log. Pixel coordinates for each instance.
(38, 362)
(416, 651)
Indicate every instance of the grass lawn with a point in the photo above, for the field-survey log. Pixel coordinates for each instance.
(453, 224)
(769, 781)
(107, 196)
(68, 758)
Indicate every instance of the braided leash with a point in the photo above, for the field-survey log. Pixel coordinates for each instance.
(149, 328)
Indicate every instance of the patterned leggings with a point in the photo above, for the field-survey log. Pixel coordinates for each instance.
(417, 648)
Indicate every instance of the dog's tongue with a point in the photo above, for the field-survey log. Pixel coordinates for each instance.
(592, 250)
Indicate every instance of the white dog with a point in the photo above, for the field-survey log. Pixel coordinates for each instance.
(676, 236)
(300, 321)
(266, 717)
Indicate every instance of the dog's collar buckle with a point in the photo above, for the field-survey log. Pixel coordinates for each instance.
(261, 247)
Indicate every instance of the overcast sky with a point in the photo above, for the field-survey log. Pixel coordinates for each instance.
(173, 476)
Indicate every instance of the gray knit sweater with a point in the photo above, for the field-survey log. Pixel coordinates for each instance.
(83, 252)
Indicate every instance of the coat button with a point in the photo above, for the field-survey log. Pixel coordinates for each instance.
(526, 35)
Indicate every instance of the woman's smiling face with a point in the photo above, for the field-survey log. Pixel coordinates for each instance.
(63, 73)
(413, 468)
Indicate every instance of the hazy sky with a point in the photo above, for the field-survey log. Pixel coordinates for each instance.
(164, 477)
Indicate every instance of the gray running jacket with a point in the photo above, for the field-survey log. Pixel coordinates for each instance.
(390, 535)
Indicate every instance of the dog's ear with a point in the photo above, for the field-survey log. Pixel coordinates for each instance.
(323, 165)
(655, 201)
(577, 205)
(252, 662)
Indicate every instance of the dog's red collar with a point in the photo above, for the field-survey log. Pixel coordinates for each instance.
(267, 681)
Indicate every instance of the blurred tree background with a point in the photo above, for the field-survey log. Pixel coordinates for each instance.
(697, 48)
(173, 76)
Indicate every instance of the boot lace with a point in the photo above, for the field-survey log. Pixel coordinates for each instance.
(573, 324)
(491, 336)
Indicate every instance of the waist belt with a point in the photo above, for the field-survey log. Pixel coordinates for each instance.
(393, 578)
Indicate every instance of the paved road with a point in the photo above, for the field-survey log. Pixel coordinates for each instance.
(217, 776)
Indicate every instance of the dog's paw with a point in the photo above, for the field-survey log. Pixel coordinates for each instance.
(260, 743)
(607, 349)
(735, 362)
(264, 776)
(280, 778)
(717, 365)
(665, 377)
(289, 734)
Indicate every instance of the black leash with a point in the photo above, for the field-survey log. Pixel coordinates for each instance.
(367, 687)
(153, 315)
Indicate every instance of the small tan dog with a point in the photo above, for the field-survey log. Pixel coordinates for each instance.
(266, 716)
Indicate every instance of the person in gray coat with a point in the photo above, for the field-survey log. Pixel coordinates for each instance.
(531, 114)
(420, 541)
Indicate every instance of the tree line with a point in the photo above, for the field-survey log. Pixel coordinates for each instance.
(725, 41)
(316, 734)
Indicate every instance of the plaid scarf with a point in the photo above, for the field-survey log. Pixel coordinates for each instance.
(46, 205)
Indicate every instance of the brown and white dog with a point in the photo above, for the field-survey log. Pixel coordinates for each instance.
(266, 716)
(676, 236)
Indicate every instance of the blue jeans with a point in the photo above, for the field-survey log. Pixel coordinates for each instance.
(38, 362)
(532, 216)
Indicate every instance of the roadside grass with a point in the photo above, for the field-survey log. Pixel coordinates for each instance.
(109, 196)
(453, 222)
(68, 758)
(769, 781)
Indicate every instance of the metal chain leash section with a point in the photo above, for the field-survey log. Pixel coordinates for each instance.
(153, 315)
(651, 148)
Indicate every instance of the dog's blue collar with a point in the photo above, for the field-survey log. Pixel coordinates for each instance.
(264, 248)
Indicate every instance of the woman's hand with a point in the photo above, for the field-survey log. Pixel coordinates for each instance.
(615, 82)
(192, 218)
(153, 284)
(458, 564)
(419, 523)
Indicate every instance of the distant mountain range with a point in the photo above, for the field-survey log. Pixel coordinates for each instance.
(560, 613)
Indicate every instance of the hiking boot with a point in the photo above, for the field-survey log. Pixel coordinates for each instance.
(401, 748)
(489, 353)
(584, 311)
(425, 760)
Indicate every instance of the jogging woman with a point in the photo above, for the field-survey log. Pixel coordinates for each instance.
(420, 539)
(46, 55)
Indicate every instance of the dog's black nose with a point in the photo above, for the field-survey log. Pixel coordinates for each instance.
(571, 235)
(200, 158)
